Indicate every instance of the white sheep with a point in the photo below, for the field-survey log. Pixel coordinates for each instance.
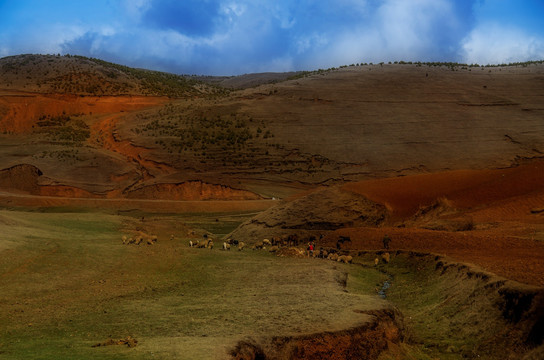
(226, 246)
(241, 246)
(346, 259)
(333, 257)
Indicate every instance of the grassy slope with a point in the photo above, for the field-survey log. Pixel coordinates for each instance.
(67, 283)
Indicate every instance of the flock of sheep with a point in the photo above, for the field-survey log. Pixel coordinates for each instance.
(139, 239)
(273, 245)
(207, 243)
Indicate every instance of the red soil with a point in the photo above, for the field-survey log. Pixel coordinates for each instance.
(20, 111)
(191, 190)
(105, 132)
(65, 191)
(508, 240)
(465, 189)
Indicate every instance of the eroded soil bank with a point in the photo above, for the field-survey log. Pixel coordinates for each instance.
(456, 310)
(367, 341)
(439, 309)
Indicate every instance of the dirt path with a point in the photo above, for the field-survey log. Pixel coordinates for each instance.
(122, 204)
(105, 135)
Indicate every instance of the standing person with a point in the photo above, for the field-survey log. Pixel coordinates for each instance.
(386, 240)
(310, 249)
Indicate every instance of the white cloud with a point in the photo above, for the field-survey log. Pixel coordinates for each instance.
(313, 41)
(407, 28)
(135, 8)
(233, 10)
(49, 39)
(283, 64)
(493, 44)
(398, 30)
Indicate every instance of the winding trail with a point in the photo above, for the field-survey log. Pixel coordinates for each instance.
(105, 135)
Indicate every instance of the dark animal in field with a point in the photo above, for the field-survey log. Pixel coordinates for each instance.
(293, 240)
(322, 253)
(343, 239)
(275, 240)
(232, 241)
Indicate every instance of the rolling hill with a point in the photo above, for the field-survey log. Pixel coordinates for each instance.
(70, 117)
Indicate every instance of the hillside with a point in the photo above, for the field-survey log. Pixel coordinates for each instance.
(146, 130)
(109, 175)
(78, 75)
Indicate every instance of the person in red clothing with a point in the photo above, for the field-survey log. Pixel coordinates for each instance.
(310, 249)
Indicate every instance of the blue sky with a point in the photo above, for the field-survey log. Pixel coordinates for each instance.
(228, 37)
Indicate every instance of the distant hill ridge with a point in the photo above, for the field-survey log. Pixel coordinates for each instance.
(79, 75)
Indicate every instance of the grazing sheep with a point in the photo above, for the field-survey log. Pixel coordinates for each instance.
(346, 259)
(202, 244)
(172, 237)
(124, 238)
(138, 240)
(241, 246)
(273, 249)
(267, 242)
(376, 261)
(226, 246)
(258, 245)
(191, 243)
(333, 257)
(150, 241)
(210, 244)
(153, 238)
(386, 257)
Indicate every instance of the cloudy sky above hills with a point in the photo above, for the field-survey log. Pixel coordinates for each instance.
(226, 37)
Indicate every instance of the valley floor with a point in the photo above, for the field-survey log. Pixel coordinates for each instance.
(71, 289)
